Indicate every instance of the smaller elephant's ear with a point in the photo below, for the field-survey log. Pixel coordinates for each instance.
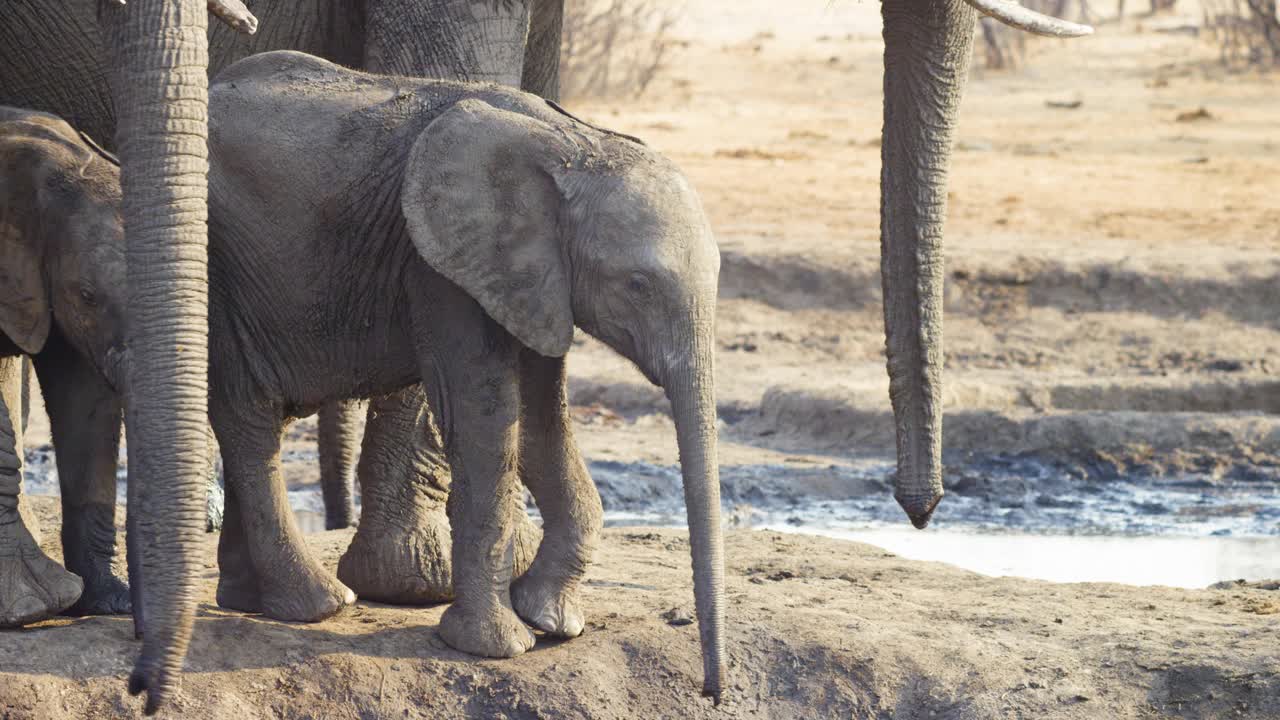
(482, 206)
(24, 302)
(24, 298)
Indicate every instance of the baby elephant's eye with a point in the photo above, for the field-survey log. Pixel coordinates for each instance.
(89, 298)
(640, 286)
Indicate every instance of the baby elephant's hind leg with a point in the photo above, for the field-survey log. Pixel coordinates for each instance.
(338, 439)
(291, 582)
(551, 466)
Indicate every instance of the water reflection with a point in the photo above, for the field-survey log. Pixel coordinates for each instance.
(1188, 562)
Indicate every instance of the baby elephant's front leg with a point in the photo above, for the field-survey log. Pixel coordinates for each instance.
(478, 396)
(553, 469)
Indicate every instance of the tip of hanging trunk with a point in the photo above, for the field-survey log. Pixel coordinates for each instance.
(920, 507)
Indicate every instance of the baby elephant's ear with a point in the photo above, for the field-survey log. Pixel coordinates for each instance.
(24, 298)
(24, 304)
(482, 206)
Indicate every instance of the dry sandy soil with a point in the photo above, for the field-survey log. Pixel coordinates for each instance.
(1114, 288)
(819, 629)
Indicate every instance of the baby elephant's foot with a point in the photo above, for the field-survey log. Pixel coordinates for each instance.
(104, 594)
(32, 587)
(489, 631)
(303, 594)
(386, 563)
(549, 605)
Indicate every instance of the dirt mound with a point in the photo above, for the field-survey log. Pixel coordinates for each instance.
(818, 628)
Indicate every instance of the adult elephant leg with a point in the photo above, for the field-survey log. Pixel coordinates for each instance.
(541, 72)
(32, 587)
(159, 54)
(926, 61)
(84, 416)
(338, 438)
(401, 549)
(552, 468)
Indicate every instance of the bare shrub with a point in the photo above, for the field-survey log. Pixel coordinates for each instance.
(1247, 31)
(612, 48)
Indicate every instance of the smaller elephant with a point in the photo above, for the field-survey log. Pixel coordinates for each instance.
(371, 232)
(62, 306)
(61, 303)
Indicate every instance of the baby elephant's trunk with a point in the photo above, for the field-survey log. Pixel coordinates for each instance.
(690, 386)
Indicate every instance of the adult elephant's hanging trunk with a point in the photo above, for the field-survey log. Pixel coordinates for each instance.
(160, 56)
(927, 46)
(926, 63)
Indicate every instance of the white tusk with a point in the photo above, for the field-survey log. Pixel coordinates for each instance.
(1014, 15)
(235, 14)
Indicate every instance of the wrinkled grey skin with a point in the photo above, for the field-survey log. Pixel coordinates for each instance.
(61, 302)
(463, 231)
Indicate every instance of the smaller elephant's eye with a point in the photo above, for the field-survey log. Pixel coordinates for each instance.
(89, 298)
(640, 286)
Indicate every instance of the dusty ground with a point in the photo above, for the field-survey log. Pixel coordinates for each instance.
(1114, 289)
(819, 629)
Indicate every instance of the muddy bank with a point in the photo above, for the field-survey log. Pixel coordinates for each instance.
(818, 628)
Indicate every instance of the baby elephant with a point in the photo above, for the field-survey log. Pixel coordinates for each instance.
(61, 302)
(368, 232)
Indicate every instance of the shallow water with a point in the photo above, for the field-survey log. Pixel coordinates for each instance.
(1000, 517)
(1176, 560)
